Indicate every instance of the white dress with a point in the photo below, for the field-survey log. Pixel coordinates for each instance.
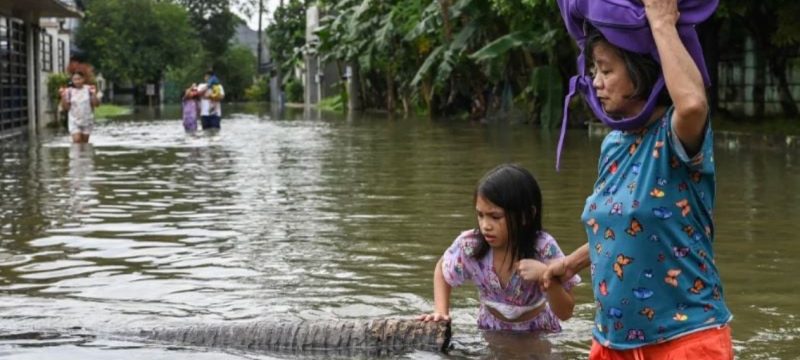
(81, 114)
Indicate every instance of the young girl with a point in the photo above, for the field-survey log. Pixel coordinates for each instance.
(508, 244)
(80, 101)
(190, 105)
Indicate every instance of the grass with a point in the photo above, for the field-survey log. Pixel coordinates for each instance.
(108, 111)
(333, 103)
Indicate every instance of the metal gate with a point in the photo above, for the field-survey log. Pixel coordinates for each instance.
(13, 75)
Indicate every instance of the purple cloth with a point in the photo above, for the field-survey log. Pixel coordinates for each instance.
(190, 115)
(624, 24)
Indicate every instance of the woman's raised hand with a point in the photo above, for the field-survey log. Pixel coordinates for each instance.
(661, 12)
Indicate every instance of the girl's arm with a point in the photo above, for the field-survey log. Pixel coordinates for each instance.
(441, 297)
(65, 104)
(93, 97)
(561, 301)
(683, 79)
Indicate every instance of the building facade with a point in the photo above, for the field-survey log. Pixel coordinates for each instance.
(32, 46)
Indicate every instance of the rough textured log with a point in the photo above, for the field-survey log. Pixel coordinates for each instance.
(366, 337)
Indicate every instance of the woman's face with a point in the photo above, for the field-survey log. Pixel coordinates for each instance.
(612, 82)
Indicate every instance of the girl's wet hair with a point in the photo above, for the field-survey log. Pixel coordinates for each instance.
(514, 189)
(642, 68)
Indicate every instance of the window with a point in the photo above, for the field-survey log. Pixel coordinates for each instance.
(47, 52)
(61, 56)
(13, 74)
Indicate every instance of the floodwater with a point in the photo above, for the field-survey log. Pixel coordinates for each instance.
(303, 215)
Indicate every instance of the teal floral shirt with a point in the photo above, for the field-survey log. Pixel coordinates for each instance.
(650, 229)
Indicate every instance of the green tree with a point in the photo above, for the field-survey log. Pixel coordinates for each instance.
(236, 69)
(369, 37)
(287, 36)
(135, 48)
(259, 91)
(774, 28)
(530, 55)
(214, 22)
(179, 77)
(448, 54)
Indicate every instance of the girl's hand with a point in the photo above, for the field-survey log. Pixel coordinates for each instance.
(661, 12)
(435, 317)
(531, 270)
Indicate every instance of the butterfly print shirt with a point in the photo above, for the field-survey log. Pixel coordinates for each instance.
(650, 229)
(458, 266)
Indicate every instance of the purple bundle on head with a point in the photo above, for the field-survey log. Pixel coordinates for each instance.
(624, 24)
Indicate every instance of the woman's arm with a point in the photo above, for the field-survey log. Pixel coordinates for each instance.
(563, 270)
(683, 79)
(441, 297)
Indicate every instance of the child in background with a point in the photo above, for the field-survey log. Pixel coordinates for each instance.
(508, 246)
(190, 108)
(79, 101)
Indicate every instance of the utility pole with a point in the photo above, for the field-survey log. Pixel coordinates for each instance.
(260, 45)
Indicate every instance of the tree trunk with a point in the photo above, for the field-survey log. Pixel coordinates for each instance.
(758, 85)
(343, 86)
(391, 96)
(448, 30)
(362, 88)
(777, 65)
(406, 100)
(352, 337)
(427, 96)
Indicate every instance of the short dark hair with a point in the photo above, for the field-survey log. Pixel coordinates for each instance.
(514, 189)
(642, 68)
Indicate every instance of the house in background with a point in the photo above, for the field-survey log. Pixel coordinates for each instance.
(54, 53)
(30, 49)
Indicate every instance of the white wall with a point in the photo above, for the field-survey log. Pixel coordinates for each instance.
(46, 111)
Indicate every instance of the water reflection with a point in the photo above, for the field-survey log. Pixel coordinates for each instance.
(510, 345)
(81, 170)
(298, 214)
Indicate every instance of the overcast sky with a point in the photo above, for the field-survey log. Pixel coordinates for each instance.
(269, 9)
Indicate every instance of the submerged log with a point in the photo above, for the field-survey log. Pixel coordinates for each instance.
(364, 337)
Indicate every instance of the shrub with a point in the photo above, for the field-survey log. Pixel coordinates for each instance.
(259, 91)
(54, 82)
(294, 91)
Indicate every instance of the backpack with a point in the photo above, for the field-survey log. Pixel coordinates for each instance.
(624, 24)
